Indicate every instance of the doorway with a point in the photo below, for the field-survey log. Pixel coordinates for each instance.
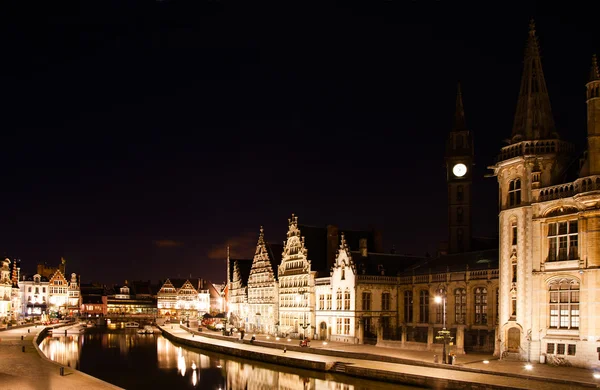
(513, 342)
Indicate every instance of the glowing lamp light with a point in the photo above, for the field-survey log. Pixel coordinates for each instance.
(289, 339)
(277, 338)
(486, 362)
(528, 367)
(597, 375)
(324, 342)
(438, 299)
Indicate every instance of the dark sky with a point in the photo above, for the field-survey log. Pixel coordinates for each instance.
(139, 138)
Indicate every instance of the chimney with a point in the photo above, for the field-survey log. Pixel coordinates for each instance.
(363, 247)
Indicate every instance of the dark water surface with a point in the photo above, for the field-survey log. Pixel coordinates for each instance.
(135, 361)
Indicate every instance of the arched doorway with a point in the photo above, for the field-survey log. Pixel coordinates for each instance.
(323, 331)
(513, 342)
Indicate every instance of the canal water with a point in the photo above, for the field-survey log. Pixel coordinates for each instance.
(139, 361)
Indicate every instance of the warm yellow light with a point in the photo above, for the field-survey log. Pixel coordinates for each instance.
(597, 375)
(528, 367)
(486, 362)
(438, 299)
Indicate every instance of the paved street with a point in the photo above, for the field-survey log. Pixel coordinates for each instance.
(469, 368)
(30, 370)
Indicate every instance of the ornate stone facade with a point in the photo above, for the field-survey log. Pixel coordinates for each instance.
(263, 306)
(549, 230)
(296, 285)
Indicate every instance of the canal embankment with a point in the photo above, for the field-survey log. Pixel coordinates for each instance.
(373, 366)
(24, 366)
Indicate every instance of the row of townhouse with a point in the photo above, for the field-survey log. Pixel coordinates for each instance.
(181, 299)
(48, 292)
(534, 295)
(363, 296)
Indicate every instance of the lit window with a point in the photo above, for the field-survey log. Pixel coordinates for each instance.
(481, 306)
(514, 193)
(564, 304)
(563, 241)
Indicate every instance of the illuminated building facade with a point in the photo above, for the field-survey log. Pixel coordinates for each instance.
(58, 294)
(5, 291)
(238, 271)
(296, 285)
(74, 300)
(549, 229)
(263, 287)
(123, 302)
(34, 295)
(178, 298)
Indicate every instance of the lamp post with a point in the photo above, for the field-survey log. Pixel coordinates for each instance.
(443, 334)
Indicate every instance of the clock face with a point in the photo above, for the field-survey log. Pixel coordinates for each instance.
(459, 170)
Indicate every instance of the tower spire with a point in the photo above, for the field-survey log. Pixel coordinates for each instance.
(459, 115)
(594, 72)
(533, 118)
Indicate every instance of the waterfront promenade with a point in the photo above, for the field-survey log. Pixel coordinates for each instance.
(31, 370)
(410, 367)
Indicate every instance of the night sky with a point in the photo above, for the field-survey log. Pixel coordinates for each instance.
(140, 138)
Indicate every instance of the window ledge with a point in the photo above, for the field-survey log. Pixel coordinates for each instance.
(561, 265)
(562, 333)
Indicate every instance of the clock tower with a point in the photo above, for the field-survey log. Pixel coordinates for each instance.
(459, 164)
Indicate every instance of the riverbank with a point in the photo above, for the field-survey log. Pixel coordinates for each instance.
(387, 364)
(23, 366)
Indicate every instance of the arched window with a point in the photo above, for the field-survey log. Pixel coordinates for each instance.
(564, 304)
(514, 193)
(459, 193)
(424, 306)
(481, 306)
(408, 306)
(460, 305)
(459, 214)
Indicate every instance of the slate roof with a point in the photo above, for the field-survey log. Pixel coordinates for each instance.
(315, 241)
(29, 278)
(322, 247)
(390, 264)
(179, 282)
(476, 260)
(275, 252)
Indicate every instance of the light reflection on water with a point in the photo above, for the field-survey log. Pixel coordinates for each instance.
(130, 360)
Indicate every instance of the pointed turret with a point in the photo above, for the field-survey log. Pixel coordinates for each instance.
(533, 118)
(594, 72)
(459, 115)
(593, 115)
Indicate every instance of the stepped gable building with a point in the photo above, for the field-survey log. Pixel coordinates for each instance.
(178, 299)
(263, 294)
(238, 272)
(308, 255)
(549, 229)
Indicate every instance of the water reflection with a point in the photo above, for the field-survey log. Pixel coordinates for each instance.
(135, 361)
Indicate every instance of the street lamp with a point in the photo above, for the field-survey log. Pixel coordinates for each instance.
(443, 334)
